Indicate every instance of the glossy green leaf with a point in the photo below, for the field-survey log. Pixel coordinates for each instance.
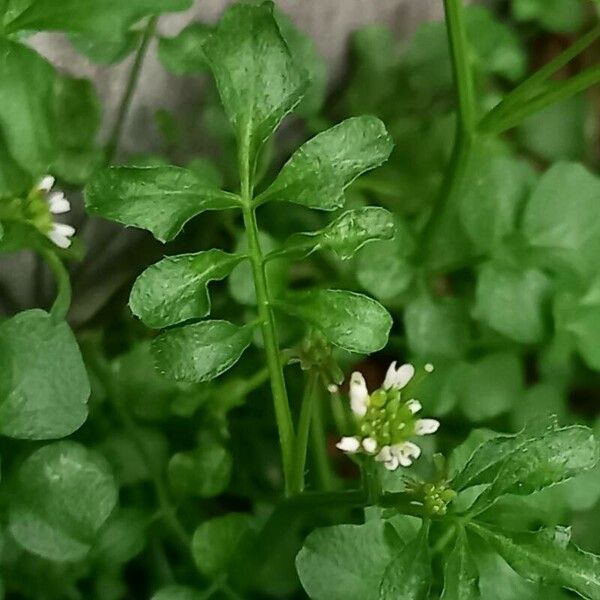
(178, 592)
(500, 289)
(43, 382)
(548, 557)
(98, 18)
(216, 540)
(437, 328)
(319, 171)
(408, 575)
(344, 236)
(184, 54)
(64, 495)
(351, 321)
(159, 199)
(203, 472)
(26, 110)
(344, 562)
(541, 462)
(175, 289)
(563, 214)
(460, 573)
(257, 78)
(200, 352)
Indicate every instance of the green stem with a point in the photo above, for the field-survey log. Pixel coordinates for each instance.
(558, 92)
(461, 67)
(60, 307)
(306, 412)
(325, 476)
(532, 84)
(467, 117)
(125, 104)
(283, 414)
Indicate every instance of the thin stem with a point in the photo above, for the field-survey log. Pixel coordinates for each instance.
(557, 93)
(125, 104)
(325, 476)
(467, 117)
(531, 85)
(461, 67)
(306, 411)
(283, 414)
(60, 307)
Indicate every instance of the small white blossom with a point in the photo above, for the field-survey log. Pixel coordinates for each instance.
(370, 445)
(426, 426)
(414, 406)
(398, 377)
(397, 455)
(359, 394)
(60, 233)
(349, 445)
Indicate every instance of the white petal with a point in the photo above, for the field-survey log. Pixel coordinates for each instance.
(384, 455)
(370, 445)
(411, 450)
(414, 406)
(426, 426)
(392, 464)
(398, 378)
(46, 183)
(60, 234)
(349, 444)
(359, 394)
(405, 461)
(58, 203)
(429, 368)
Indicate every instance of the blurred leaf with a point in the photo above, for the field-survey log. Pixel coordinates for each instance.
(43, 382)
(200, 352)
(344, 236)
(460, 575)
(344, 562)
(256, 76)
(14, 181)
(26, 110)
(351, 321)
(492, 201)
(178, 592)
(564, 16)
(557, 132)
(215, 542)
(408, 575)
(437, 328)
(547, 557)
(319, 171)
(563, 214)
(184, 54)
(501, 289)
(105, 51)
(98, 18)
(64, 495)
(159, 199)
(203, 472)
(541, 400)
(175, 289)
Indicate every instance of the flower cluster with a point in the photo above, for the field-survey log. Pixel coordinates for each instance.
(436, 498)
(386, 420)
(56, 204)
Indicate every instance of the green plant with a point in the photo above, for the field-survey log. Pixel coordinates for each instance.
(175, 469)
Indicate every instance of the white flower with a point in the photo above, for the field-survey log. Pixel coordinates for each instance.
(60, 233)
(370, 445)
(414, 406)
(426, 426)
(398, 455)
(398, 377)
(359, 394)
(349, 445)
